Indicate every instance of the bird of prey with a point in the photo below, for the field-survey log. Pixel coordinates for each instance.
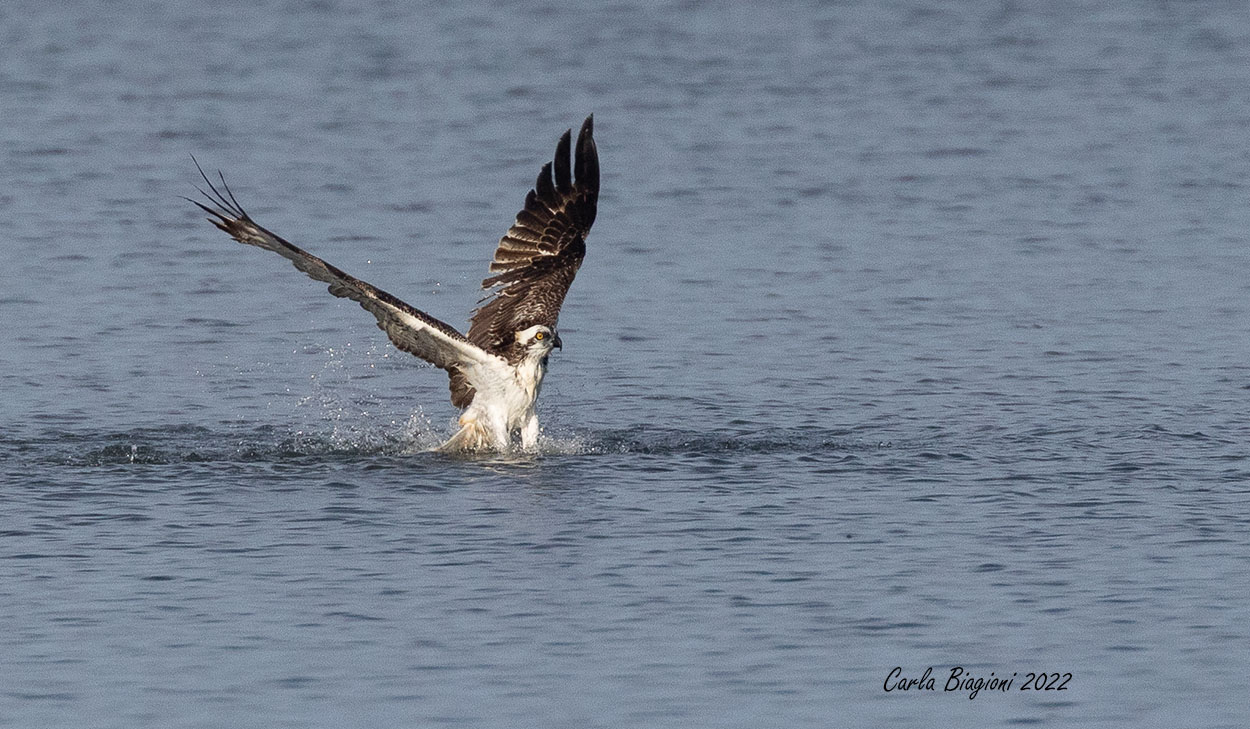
(497, 367)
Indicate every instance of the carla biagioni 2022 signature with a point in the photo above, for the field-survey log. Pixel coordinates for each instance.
(961, 680)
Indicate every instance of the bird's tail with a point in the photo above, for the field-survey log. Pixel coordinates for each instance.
(472, 436)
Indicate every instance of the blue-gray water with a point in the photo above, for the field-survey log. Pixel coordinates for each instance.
(909, 335)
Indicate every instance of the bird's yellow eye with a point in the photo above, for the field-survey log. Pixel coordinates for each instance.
(539, 336)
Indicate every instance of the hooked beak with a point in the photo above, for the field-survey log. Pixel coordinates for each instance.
(558, 344)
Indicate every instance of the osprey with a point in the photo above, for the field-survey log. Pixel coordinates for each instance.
(497, 368)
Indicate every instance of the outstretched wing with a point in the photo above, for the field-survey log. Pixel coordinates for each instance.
(411, 330)
(538, 258)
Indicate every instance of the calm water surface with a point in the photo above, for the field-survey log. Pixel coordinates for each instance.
(907, 337)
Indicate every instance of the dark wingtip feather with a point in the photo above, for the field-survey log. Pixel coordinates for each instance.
(563, 170)
(215, 213)
(226, 187)
(226, 202)
(587, 165)
(543, 187)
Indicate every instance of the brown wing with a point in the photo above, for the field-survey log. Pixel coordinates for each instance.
(538, 258)
(411, 330)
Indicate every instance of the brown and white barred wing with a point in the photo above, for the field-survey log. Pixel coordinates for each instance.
(537, 259)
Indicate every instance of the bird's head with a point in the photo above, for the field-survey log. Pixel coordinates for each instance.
(538, 340)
